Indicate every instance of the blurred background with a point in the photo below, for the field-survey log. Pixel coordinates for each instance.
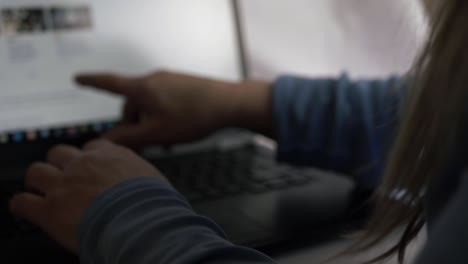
(366, 38)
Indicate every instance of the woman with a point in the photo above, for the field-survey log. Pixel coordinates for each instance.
(110, 206)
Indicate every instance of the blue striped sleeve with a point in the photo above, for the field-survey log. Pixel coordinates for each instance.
(337, 124)
(145, 221)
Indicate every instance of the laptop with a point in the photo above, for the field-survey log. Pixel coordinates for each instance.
(237, 181)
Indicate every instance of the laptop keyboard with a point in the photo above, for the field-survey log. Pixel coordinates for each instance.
(200, 176)
(219, 174)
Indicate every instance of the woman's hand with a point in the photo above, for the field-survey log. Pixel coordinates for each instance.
(168, 108)
(63, 188)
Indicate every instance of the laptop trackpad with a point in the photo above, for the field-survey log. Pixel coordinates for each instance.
(239, 227)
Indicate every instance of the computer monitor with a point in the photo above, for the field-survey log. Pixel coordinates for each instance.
(45, 43)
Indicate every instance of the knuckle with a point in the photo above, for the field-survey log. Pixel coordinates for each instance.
(84, 162)
(118, 149)
(32, 172)
(55, 151)
(87, 159)
(160, 77)
(34, 168)
(104, 149)
(162, 74)
(125, 152)
(97, 144)
(37, 168)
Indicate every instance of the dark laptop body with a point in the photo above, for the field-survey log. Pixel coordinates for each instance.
(233, 179)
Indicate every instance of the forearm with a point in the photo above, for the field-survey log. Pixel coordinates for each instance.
(329, 123)
(144, 221)
(248, 105)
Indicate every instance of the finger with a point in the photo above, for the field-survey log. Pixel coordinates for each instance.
(109, 82)
(30, 207)
(133, 136)
(130, 113)
(97, 144)
(42, 177)
(62, 155)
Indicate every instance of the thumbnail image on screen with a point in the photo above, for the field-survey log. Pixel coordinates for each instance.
(71, 18)
(24, 20)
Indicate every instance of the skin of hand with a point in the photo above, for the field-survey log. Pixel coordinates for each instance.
(168, 108)
(62, 188)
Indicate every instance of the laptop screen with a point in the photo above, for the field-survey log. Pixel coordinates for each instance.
(44, 43)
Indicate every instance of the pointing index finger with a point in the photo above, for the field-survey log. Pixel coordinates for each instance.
(108, 82)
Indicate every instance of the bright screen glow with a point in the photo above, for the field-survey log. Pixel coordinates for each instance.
(43, 44)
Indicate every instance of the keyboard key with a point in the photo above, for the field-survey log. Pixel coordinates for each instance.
(256, 188)
(232, 189)
(212, 193)
(298, 180)
(245, 171)
(216, 174)
(220, 182)
(277, 184)
(265, 175)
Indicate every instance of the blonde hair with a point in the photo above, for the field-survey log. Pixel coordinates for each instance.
(432, 125)
(431, 7)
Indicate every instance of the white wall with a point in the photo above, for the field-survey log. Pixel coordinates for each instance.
(367, 38)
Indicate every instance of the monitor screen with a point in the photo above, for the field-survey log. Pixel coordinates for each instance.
(44, 43)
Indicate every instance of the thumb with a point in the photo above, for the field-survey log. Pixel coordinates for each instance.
(133, 136)
(30, 207)
(109, 82)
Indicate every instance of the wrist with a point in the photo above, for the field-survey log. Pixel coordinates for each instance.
(248, 105)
